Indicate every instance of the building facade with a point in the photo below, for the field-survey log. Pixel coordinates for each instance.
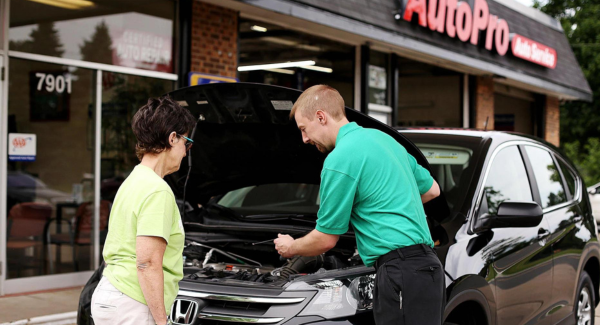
(75, 71)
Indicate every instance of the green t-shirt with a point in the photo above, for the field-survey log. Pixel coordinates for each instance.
(144, 206)
(371, 181)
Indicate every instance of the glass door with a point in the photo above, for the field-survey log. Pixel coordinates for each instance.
(50, 172)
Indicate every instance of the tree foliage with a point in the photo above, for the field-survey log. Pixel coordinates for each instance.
(580, 121)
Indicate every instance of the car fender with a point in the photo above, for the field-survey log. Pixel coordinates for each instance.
(471, 288)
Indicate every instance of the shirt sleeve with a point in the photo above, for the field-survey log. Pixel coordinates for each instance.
(156, 216)
(422, 175)
(337, 198)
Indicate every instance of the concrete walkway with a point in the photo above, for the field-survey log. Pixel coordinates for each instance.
(25, 307)
(15, 310)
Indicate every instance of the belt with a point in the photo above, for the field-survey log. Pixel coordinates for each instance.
(403, 253)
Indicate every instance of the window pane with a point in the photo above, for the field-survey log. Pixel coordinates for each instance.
(51, 113)
(569, 177)
(507, 179)
(135, 36)
(547, 177)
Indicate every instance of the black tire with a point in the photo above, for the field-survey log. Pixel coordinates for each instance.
(465, 319)
(585, 301)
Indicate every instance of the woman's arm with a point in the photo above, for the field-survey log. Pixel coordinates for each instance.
(150, 252)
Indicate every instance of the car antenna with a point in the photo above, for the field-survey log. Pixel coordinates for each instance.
(486, 123)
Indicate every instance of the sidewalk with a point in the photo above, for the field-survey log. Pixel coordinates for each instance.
(29, 308)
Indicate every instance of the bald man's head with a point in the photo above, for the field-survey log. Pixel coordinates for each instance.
(319, 97)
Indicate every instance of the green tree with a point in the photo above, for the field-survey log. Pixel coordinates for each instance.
(580, 121)
(45, 40)
(99, 47)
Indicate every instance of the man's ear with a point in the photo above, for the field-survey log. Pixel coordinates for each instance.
(321, 117)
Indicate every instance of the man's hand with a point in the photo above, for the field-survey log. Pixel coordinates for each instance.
(283, 245)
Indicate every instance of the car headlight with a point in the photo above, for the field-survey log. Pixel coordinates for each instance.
(340, 293)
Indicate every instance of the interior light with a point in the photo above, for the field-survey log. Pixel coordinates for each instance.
(316, 68)
(258, 28)
(284, 71)
(297, 64)
(66, 4)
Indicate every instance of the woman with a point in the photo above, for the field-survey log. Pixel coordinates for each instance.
(143, 249)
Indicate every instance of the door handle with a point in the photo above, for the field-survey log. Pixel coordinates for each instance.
(543, 233)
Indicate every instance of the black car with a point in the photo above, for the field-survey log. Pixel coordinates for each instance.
(513, 225)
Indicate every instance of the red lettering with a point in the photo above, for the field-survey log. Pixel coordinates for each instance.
(450, 27)
(464, 21)
(416, 6)
(480, 19)
(489, 35)
(437, 16)
(502, 37)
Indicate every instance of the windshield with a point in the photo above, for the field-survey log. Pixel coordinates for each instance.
(450, 158)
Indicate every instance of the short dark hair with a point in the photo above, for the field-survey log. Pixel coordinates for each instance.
(153, 123)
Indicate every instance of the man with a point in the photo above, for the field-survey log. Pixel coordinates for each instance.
(370, 180)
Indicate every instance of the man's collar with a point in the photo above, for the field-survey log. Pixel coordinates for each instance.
(352, 126)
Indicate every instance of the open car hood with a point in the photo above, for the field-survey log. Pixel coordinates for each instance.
(244, 137)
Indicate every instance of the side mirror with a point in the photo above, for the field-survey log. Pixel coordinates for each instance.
(512, 215)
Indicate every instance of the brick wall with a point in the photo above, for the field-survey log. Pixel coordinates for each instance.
(552, 121)
(214, 40)
(484, 103)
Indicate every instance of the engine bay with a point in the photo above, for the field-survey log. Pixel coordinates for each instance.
(259, 264)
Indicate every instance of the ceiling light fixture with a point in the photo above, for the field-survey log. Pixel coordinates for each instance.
(276, 65)
(66, 4)
(284, 71)
(258, 28)
(321, 69)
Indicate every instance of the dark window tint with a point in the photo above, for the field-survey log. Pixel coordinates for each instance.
(569, 177)
(547, 177)
(507, 180)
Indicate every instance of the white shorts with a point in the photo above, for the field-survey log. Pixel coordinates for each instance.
(111, 307)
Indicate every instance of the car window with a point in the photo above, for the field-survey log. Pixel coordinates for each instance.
(290, 195)
(547, 177)
(507, 180)
(569, 176)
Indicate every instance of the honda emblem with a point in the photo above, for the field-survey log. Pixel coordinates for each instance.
(184, 311)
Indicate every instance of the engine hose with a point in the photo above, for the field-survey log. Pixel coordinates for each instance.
(301, 264)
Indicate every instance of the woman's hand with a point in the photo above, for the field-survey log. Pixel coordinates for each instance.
(150, 252)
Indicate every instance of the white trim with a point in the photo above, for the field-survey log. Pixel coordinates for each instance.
(97, 161)
(46, 282)
(92, 65)
(357, 78)
(466, 103)
(379, 108)
(532, 13)
(4, 19)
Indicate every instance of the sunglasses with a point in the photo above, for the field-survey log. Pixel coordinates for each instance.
(188, 142)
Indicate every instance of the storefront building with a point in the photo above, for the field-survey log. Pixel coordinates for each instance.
(75, 71)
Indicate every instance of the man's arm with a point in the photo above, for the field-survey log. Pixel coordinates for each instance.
(150, 251)
(313, 244)
(433, 192)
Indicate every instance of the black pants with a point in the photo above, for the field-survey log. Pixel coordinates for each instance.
(409, 287)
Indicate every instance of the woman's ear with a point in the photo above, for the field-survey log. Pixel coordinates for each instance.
(172, 138)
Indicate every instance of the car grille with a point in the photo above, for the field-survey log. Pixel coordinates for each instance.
(222, 309)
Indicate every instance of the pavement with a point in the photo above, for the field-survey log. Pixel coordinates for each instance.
(56, 307)
(31, 308)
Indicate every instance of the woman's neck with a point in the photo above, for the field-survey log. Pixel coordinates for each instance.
(157, 163)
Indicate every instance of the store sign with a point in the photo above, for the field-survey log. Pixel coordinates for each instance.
(196, 78)
(456, 19)
(21, 147)
(142, 50)
(532, 51)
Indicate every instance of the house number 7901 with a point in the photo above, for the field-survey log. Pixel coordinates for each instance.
(53, 83)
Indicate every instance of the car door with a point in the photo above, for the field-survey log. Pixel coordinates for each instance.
(521, 261)
(557, 188)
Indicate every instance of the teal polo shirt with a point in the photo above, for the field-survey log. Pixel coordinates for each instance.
(371, 181)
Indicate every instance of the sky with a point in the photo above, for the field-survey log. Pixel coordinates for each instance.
(526, 2)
